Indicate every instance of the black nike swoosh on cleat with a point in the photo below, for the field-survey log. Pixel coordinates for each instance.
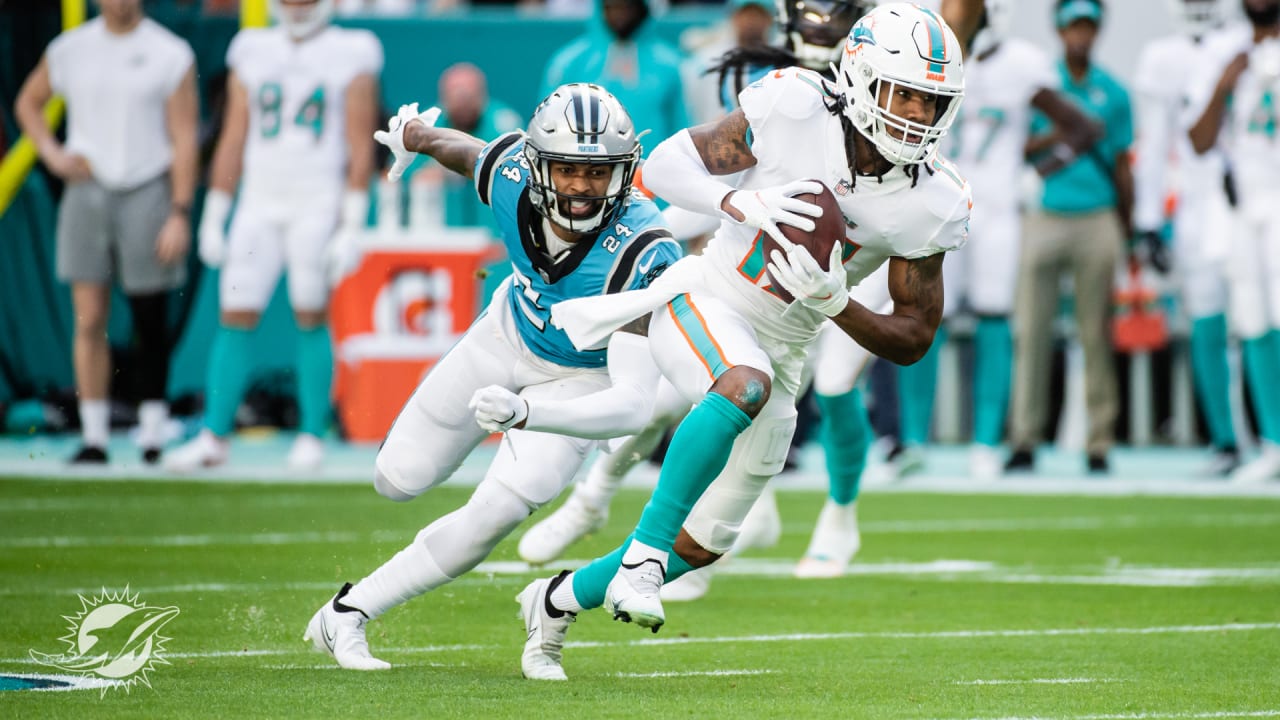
(324, 632)
(531, 632)
(655, 561)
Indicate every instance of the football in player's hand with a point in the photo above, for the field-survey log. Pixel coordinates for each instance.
(829, 229)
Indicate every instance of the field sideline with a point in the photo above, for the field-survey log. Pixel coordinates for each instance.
(960, 606)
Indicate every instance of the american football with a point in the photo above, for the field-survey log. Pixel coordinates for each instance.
(829, 228)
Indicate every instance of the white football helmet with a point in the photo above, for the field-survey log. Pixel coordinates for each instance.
(900, 45)
(581, 123)
(997, 21)
(302, 19)
(816, 29)
(1197, 17)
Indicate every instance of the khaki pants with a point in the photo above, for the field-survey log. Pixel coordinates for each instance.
(1088, 246)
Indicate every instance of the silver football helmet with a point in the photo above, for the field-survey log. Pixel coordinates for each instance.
(581, 123)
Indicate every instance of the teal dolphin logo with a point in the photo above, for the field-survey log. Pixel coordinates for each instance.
(114, 636)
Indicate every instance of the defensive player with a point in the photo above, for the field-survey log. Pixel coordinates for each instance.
(573, 228)
(724, 338)
(1234, 100)
(1165, 162)
(300, 99)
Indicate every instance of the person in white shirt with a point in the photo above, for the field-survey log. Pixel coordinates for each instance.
(129, 164)
(302, 100)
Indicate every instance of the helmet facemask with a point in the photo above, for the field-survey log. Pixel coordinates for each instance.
(581, 124)
(893, 48)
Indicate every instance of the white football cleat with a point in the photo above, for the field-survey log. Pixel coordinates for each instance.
(548, 540)
(546, 630)
(338, 630)
(689, 586)
(1260, 469)
(985, 463)
(205, 450)
(834, 543)
(634, 594)
(762, 526)
(307, 453)
(909, 461)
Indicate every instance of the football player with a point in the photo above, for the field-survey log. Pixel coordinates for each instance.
(1005, 80)
(1234, 100)
(296, 136)
(1165, 162)
(573, 228)
(721, 334)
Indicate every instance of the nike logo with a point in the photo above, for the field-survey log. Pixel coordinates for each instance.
(329, 637)
(644, 268)
(532, 630)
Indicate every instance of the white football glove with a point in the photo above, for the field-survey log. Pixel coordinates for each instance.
(212, 238)
(343, 253)
(498, 409)
(765, 208)
(393, 136)
(826, 291)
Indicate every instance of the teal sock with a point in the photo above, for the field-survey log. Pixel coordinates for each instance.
(846, 438)
(591, 580)
(993, 372)
(1262, 373)
(916, 387)
(698, 452)
(1213, 377)
(230, 362)
(315, 378)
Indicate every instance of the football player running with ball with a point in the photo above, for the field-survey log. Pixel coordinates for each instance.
(562, 196)
(722, 335)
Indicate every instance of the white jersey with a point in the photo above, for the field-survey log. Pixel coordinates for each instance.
(297, 105)
(1165, 160)
(793, 136)
(990, 133)
(1249, 129)
(117, 89)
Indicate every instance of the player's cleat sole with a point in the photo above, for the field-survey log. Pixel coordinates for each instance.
(634, 594)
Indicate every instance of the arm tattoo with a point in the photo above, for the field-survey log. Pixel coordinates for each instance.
(723, 144)
(924, 284)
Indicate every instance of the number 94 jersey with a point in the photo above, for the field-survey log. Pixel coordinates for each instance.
(628, 254)
(297, 104)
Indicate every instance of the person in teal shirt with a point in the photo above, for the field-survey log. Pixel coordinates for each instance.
(620, 52)
(465, 104)
(1080, 228)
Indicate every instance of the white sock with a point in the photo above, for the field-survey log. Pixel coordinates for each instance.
(638, 552)
(153, 415)
(562, 598)
(410, 573)
(443, 550)
(95, 422)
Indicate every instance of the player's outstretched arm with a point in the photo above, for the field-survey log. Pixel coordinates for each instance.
(623, 408)
(409, 133)
(682, 169)
(904, 335)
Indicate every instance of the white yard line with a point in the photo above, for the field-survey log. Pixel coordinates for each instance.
(787, 637)
(1039, 681)
(1143, 715)
(694, 673)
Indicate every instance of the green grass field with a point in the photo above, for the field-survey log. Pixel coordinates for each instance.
(961, 606)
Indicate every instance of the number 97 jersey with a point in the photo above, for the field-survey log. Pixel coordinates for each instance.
(297, 105)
